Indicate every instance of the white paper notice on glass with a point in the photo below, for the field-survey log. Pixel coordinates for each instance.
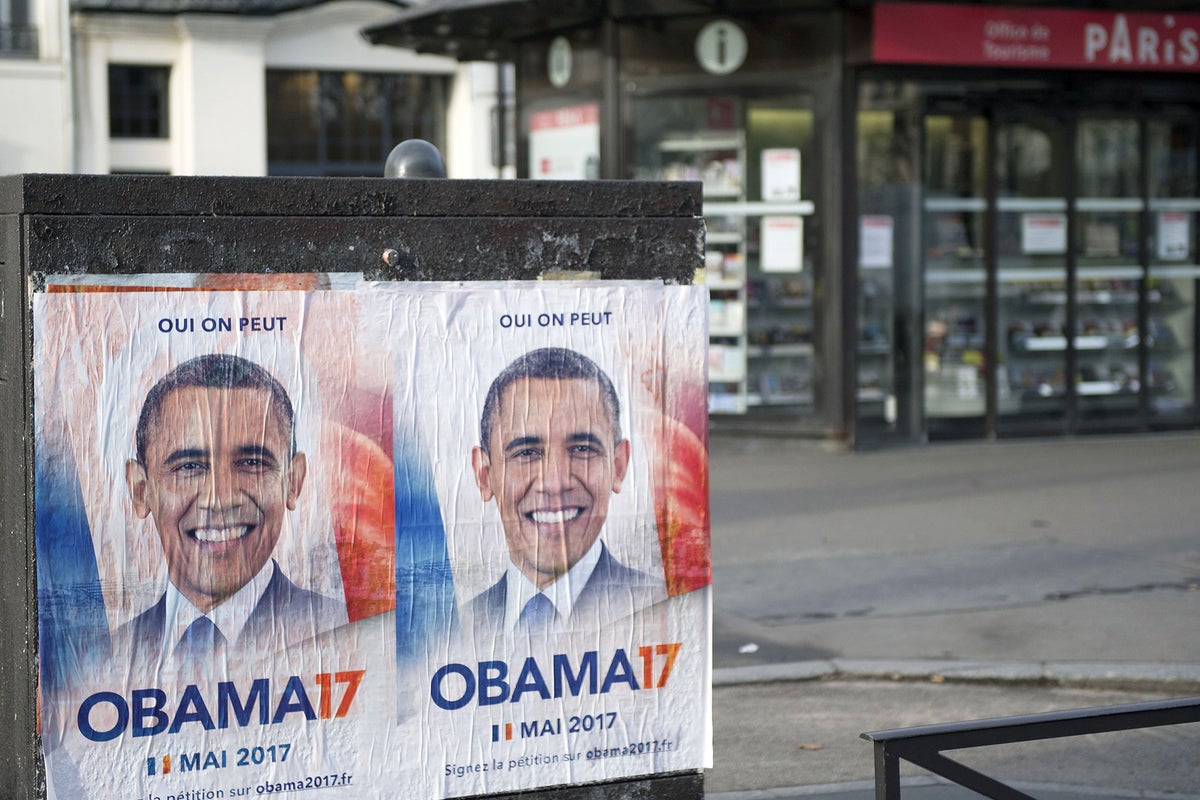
(1174, 233)
(968, 383)
(1043, 234)
(875, 234)
(564, 143)
(781, 174)
(782, 244)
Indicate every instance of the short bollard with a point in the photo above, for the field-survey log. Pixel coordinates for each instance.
(414, 158)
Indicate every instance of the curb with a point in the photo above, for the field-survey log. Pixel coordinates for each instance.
(1175, 677)
(866, 790)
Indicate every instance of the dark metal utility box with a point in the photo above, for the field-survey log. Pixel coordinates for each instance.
(385, 230)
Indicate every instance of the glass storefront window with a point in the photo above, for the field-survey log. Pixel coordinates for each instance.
(1108, 271)
(888, 230)
(874, 394)
(346, 123)
(1031, 256)
(955, 205)
(1174, 268)
(750, 154)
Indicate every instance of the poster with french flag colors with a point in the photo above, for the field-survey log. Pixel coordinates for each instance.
(312, 536)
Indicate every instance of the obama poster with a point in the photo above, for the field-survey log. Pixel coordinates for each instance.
(562, 428)
(363, 540)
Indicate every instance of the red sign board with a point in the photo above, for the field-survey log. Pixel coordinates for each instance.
(566, 117)
(1004, 36)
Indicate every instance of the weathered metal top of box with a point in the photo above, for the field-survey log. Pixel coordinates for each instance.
(152, 195)
(385, 229)
(247, 8)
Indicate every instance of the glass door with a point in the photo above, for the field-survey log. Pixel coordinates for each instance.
(1107, 321)
(1170, 340)
(888, 354)
(748, 152)
(703, 138)
(955, 275)
(1032, 165)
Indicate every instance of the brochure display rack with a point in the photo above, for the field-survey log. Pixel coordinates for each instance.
(757, 267)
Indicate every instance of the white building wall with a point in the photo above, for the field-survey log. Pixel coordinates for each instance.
(217, 93)
(221, 87)
(105, 39)
(34, 128)
(35, 125)
(218, 82)
(326, 37)
(469, 129)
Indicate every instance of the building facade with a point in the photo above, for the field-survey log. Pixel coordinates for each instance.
(925, 220)
(35, 133)
(226, 87)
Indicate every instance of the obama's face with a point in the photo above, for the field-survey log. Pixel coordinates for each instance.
(218, 478)
(552, 464)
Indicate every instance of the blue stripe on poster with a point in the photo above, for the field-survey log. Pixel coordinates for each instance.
(426, 612)
(72, 626)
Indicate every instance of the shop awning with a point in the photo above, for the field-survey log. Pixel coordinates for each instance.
(488, 30)
(481, 30)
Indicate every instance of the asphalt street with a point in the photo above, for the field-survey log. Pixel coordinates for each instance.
(857, 592)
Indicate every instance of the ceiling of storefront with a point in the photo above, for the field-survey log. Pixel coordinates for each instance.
(487, 29)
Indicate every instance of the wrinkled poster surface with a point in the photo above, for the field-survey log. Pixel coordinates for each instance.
(370, 540)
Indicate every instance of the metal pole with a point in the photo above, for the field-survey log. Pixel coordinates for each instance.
(887, 773)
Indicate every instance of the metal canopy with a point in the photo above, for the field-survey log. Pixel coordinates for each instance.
(488, 30)
(481, 30)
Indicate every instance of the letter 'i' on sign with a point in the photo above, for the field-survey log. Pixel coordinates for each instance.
(721, 47)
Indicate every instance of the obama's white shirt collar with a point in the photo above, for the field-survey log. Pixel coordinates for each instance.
(563, 593)
(230, 616)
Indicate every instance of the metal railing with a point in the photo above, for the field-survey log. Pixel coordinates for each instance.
(923, 745)
(19, 41)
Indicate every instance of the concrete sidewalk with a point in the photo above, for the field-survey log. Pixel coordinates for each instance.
(801, 740)
(868, 591)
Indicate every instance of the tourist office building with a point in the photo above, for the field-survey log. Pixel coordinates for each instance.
(924, 220)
